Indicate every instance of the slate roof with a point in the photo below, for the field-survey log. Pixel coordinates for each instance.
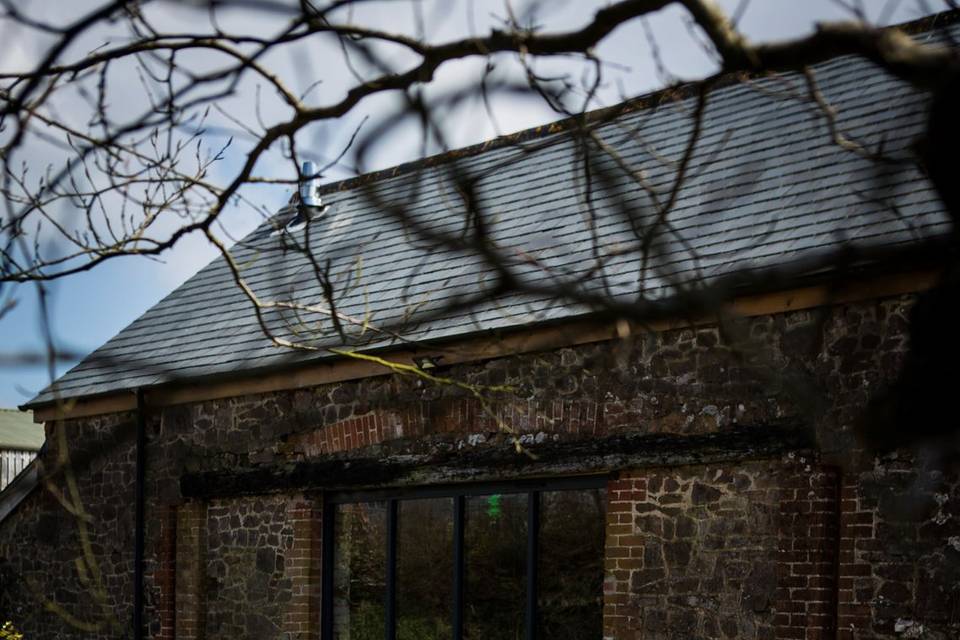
(767, 188)
(18, 431)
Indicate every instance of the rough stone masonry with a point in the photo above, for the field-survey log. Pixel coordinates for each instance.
(712, 531)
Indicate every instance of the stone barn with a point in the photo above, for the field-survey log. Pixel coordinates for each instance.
(452, 458)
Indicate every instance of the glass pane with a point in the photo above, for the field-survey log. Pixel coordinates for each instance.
(571, 564)
(360, 571)
(496, 570)
(425, 569)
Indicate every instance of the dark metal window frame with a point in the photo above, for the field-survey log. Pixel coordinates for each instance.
(458, 493)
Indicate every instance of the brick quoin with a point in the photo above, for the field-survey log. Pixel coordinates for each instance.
(190, 571)
(166, 577)
(301, 620)
(807, 554)
(855, 575)
(620, 615)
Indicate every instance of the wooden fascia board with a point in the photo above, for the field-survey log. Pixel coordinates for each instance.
(485, 347)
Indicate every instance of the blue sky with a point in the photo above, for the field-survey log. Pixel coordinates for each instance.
(89, 308)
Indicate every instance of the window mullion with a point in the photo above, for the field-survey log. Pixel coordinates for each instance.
(326, 595)
(459, 510)
(390, 605)
(533, 562)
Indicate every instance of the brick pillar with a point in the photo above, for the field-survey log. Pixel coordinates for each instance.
(191, 552)
(621, 557)
(855, 591)
(166, 573)
(807, 554)
(302, 566)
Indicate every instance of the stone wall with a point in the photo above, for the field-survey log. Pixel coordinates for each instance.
(891, 528)
(247, 544)
(718, 552)
(66, 554)
(900, 552)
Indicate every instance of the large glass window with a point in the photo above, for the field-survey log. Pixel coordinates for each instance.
(478, 562)
(360, 571)
(424, 570)
(572, 533)
(496, 566)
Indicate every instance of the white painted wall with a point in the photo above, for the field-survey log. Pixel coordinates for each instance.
(13, 462)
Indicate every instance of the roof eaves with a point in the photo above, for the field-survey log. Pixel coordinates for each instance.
(826, 269)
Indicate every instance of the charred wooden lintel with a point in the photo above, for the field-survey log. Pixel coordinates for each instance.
(456, 461)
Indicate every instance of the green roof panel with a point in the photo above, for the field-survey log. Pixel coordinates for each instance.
(18, 431)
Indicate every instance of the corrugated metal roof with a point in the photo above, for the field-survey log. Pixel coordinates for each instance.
(767, 188)
(18, 432)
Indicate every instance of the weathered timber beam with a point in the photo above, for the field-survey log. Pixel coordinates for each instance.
(454, 461)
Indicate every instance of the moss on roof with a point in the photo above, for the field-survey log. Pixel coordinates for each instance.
(18, 431)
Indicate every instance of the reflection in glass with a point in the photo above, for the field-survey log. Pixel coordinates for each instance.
(496, 580)
(570, 600)
(569, 589)
(425, 569)
(360, 571)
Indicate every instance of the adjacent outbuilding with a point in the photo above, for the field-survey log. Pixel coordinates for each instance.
(20, 439)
